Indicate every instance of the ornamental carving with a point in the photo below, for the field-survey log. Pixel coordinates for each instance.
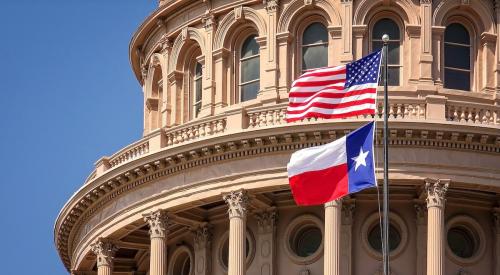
(436, 192)
(202, 237)
(271, 5)
(348, 213)
(421, 212)
(158, 222)
(237, 202)
(104, 251)
(266, 221)
(208, 21)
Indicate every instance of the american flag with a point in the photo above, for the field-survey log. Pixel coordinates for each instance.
(336, 92)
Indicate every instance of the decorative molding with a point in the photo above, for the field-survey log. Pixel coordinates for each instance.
(272, 6)
(202, 236)
(105, 251)
(237, 202)
(436, 192)
(158, 222)
(266, 220)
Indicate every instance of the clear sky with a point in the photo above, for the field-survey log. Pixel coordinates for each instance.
(67, 97)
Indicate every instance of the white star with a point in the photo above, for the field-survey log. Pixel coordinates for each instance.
(360, 159)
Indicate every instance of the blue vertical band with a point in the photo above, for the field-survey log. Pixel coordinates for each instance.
(359, 144)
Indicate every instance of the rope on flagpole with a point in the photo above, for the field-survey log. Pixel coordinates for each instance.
(385, 246)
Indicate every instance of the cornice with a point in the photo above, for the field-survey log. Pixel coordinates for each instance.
(99, 192)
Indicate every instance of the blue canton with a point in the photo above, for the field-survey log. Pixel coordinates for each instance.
(364, 70)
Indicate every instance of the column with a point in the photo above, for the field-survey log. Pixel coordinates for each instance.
(436, 191)
(496, 249)
(269, 79)
(175, 82)
(488, 41)
(105, 253)
(266, 221)
(202, 247)
(497, 54)
(165, 102)
(237, 209)
(158, 222)
(348, 207)
(421, 222)
(220, 63)
(333, 212)
(438, 40)
(360, 48)
(426, 57)
(346, 10)
(284, 61)
(208, 83)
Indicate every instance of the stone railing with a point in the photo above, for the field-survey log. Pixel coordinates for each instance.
(195, 129)
(131, 152)
(467, 112)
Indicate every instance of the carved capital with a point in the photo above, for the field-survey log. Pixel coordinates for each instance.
(266, 221)
(144, 72)
(436, 192)
(158, 222)
(202, 237)
(421, 212)
(428, 2)
(237, 202)
(496, 220)
(348, 213)
(208, 21)
(272, 6)
(105, 252)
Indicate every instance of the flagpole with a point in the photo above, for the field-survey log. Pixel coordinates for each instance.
(385, 244)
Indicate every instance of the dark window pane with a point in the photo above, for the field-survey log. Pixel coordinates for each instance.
(374, 238)
(386, 26)
(394, 55)
(198, 89)
(456, 80)
(456, 33)
(461, 242)
(250, 69)
(314, 57)
(392, 77)
(457, 57)
(307, 241)
(315, 33)
(250, 47)
(377, 45)
(249, 91)
(198, 69)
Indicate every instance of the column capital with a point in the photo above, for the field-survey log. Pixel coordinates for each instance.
(436, 192)
(208, 21)
(202, 236)
(237, 202)
(421, 212)
(105, 251)
(158, 222)
(271, 5)
(266, 220)
(348, 212)
(334, 203)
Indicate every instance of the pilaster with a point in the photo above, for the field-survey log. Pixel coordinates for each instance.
(220, 63)
(359, 33)
(426, 58)
(266, 238)
(269, 80)
(208, 82)
(421, 223)
(284, 61)
(202, 248)
(348, 208)
(347, 17)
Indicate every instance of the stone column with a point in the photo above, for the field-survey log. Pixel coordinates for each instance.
(158, 228)
(237, 209)
(421, 222)
(438, 57)
(348, 207)
(488, 41)
(266, 221)
(202, 246)
(105, 253)
(333, 213)
(496, 249)
(436, 191)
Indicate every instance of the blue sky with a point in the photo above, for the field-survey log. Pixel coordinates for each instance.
(67, 97)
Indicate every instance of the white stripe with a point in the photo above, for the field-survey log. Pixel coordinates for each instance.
(323, 70)
(318, 158)
(333, 100)
(336, 111)
(316, 88)
(310, 79)
(350, 89)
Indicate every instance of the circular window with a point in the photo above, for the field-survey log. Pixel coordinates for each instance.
(465, 239)
(461, 242)
(224, 249)
(375, 238)
(304, 239)
(181, 259)
(372, 238)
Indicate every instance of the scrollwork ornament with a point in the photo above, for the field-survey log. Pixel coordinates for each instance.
(158, 222)
(105, 252)
(436, 192)
(266, 220)
(271, 5)
(208, 21)
(237, 202)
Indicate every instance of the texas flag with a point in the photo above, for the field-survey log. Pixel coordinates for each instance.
(324, 173)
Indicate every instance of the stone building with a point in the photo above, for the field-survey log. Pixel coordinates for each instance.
(205, 191)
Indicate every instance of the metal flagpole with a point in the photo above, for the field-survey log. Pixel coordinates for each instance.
(385, 242)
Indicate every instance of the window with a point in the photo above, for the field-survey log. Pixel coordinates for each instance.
(303, 239)
(249, 69)
(462, 242)
(306, 241)
(197, 89)
(375, 238)
(314, 47)
(457, 57)
(388, 26)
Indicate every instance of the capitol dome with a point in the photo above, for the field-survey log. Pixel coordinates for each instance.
(205, 190)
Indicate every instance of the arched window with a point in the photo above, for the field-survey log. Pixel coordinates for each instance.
(457, 57)
(197, 89)
(314, 47)
(249, 69)
(388, 26)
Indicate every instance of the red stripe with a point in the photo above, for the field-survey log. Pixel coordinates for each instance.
(310, 83)
(327, 73)
(319, 187)
(334, 106)
(330, 95)
(332, 116)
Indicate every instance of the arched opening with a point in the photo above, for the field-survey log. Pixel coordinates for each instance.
(388, 26)
(457, 57)
(249, 69)
(314, 47)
